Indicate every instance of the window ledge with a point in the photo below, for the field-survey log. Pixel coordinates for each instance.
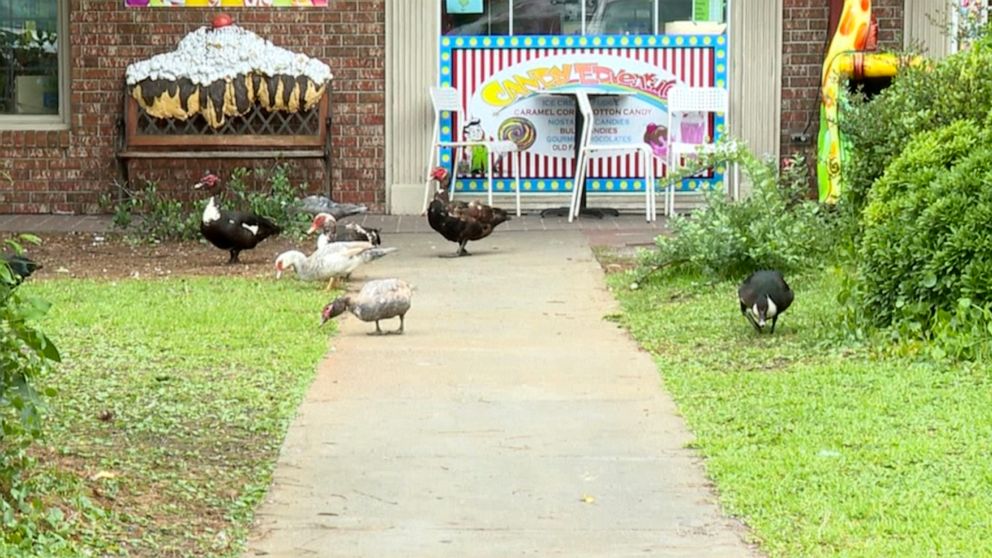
(29, 124)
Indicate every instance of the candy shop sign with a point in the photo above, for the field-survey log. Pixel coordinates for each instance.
(224, 3)
(517, 101)
(605, 73)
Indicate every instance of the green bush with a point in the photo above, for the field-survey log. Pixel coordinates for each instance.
(775, 227)
(926, 240)
(25, 354)
(923, 97)
(275, 202)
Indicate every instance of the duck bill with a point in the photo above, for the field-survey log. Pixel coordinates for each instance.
(323, 320)
(311, 230)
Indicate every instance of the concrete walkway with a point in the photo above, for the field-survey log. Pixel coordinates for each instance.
(510, 420)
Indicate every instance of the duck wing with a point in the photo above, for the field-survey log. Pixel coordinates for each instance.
(322, 204)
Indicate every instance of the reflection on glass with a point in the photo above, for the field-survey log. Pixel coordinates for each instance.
(475, 17)
(29, 79)
(564, 17)
(547, 17)
(622, 17)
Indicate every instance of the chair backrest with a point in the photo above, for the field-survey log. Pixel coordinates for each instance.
(697, 99)
(446, 99)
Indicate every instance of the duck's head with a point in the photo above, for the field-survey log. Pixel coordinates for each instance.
(335, 308)
(324, 222)
(286, 260)
(208, 182)
(440, 174)
(763, 309)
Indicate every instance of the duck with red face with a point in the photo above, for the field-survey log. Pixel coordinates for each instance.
(233, 231)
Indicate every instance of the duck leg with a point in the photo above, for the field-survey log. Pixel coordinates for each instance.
(234, 257)
(330, 284)
(774, 319)
(400, 330)
(461, 249)
(377, 331)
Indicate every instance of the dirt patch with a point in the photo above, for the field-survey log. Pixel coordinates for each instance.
(110, 256)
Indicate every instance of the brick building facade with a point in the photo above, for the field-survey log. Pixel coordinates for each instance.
(68, 170)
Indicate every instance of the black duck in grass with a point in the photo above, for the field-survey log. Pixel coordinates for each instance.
(764, 295)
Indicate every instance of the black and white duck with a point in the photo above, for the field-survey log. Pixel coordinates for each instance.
(764, 295)
(381, 299)
(231, 230)
(20, 266)
(327, 224)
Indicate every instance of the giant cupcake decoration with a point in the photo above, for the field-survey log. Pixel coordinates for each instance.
(224, 71)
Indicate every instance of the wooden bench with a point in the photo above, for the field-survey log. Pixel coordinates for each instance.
(258, 134)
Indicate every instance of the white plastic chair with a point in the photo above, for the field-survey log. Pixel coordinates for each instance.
(448, 99)
(587, 147)
(682, 99)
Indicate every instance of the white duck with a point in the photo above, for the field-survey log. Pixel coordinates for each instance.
(378, 300)
(336, 260)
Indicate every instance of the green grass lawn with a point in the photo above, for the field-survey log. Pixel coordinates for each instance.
(174, 398)
(822, 451)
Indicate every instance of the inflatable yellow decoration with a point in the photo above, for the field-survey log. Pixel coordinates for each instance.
(845, 59)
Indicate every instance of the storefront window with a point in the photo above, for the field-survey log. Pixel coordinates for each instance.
(475, 17)
(565, 17)
(29, 57)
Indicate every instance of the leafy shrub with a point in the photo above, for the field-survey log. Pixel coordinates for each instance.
(25, 354)
(775, 227)
(926, 242)
(923, 97)
(149, 216)
(276, 202)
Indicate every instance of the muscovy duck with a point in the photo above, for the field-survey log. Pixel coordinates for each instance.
(328, 227)
(315, 205)
(336, 260)
(763, 295)
(378, 300)
(459, 221)
(21, 267)
(231, 230)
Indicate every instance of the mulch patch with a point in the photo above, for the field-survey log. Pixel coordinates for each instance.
(109, 256)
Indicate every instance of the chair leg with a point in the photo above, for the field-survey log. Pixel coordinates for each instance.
(489, 156)
(576, 201)
(516, 176)
(454, 173)
(427, 186)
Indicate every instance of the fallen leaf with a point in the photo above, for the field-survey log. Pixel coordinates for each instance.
(587, 499)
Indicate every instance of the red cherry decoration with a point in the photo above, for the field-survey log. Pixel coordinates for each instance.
(221, 20)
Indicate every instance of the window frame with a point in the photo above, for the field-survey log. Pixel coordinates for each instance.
(583, 32)
(50, 122)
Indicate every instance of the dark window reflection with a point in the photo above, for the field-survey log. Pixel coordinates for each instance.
(29, 78)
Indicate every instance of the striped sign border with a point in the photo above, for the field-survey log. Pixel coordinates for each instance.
(466, 61)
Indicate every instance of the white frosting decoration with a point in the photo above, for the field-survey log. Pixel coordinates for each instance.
(207, 55)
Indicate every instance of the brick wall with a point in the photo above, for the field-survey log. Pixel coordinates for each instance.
(67, 171)
(804, 34)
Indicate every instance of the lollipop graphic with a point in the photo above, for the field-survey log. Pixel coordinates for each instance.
(518, 130)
